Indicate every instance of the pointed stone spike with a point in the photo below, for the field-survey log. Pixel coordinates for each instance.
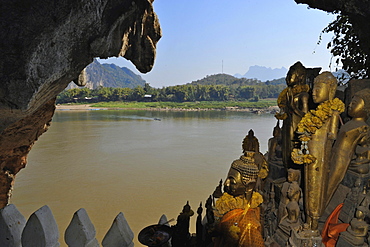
(12, 223)
(163, 220)
(81, 232)
(41, 230)
(120, 233)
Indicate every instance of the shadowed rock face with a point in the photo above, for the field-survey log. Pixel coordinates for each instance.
(44, 46)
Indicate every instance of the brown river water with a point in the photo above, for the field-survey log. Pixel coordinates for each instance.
(141, 163)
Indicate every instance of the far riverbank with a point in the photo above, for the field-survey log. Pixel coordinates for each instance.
(265, 105)
(87, 107)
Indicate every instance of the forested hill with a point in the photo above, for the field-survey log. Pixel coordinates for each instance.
(110, 75)
(231, 81)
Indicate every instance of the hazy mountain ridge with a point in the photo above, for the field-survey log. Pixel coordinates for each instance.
(110, 75)
(263, 73)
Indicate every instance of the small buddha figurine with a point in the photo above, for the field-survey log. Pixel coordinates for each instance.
(293, 176)
(270, 216)
(251, 147)
(274, 145)
(237, 213)
(360, 164)
(293, 103)
(357, 230)
(294, 195)
(218, 191)
(199, 226)
(349, 136)
(292, 220)
(318, 130)
(181, 233)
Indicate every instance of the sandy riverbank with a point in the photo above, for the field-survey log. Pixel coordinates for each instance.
(87, 107)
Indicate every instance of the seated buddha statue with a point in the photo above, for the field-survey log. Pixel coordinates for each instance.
(274, 146)
(360, 164)
(251, 147)
(236, 212)
(357, 230)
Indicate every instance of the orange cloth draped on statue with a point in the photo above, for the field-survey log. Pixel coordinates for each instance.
(332, 228)
(240, 229)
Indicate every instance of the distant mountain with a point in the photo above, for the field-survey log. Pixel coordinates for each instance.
(110, 75)
(263, 73)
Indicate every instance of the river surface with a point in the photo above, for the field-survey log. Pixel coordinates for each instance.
(141, 163)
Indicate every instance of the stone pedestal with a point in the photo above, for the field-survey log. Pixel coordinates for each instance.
(284, 230)
(305, 238)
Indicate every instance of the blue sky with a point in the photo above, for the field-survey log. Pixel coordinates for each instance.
(201, 35)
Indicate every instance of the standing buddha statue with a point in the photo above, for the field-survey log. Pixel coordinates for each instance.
(293, 103)
(318, 130)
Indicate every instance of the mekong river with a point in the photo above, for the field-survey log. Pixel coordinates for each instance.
(141, 163)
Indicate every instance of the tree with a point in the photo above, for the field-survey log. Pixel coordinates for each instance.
(245, 92)
(346, 47)
(138, 93)
(104, 93)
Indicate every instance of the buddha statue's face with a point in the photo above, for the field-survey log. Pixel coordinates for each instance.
(234, 185)
(292, 176)
(320, 92)
(357, 107)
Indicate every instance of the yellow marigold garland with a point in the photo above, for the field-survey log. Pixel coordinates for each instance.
(299, 158)
(228, 202)
(315, 119)
(312, 121)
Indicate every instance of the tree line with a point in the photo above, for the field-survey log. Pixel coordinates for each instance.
(180, 93)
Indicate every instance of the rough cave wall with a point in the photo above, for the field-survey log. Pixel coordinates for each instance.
(44, 46)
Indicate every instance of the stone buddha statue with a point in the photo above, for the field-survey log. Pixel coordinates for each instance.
(251, 147)
(293, 103)
(318, 130)
(274, 146)
(350, 135)
(237, 212)
(360, 164)
(181, 235)
(287, 193)
(357, 230)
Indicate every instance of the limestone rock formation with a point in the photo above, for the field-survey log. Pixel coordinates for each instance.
(44, 46)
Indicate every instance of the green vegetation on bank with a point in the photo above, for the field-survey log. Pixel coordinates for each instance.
(188, 105)
(233, 90)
